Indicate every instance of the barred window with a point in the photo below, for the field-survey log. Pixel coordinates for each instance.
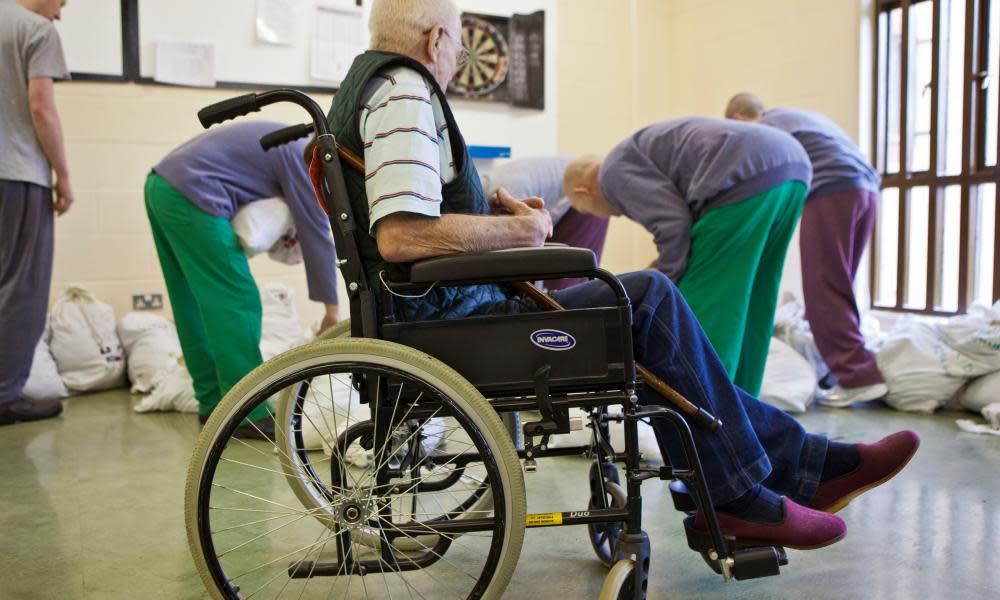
(936, 87)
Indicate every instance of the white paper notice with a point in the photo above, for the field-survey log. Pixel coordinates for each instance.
(276, 22)
(183, 63)
(337, 40)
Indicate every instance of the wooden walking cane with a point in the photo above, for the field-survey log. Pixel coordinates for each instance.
(698, 415)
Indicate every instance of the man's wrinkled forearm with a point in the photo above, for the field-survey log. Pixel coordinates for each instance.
(406, 238)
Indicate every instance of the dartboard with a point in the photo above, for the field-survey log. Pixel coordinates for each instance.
(488, 62)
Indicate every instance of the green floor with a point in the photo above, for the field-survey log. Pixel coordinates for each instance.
(92, 508)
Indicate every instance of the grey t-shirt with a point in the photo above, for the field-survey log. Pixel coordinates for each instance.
(540, 176)
(29, 49)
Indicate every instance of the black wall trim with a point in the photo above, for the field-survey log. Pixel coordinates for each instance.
(98, 77)
(242, 85)
(130, 39)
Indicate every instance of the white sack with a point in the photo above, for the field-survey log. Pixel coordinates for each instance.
(84, 342)
(151, 348)
(320, 428)
(991, 412)
(44, 382)
(287, 250)
(174, 392)
(925, 365)
(260, 224)
(789, 379)
(791, 327)
(976, 338)
(281, 327)
(980, 392)
(582, 437)
(281, 330)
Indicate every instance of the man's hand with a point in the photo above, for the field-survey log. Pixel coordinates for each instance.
(63, 196)
(330, 319)
(533, 208)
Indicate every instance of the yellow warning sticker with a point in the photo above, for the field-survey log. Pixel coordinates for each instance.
(543, 519)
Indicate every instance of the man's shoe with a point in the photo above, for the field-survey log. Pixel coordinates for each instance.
(841, 397)
(255, 430)
(801, 528)
(879, 463)
(28, 410)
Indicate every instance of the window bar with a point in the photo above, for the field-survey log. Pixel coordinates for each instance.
(935, 225)
(971, 36)
(995, 175)
(903, 260)
(878, 143)
(979, 69)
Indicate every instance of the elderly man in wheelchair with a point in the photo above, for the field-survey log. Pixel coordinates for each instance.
(415, 486)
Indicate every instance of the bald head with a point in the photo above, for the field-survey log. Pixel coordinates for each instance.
(582, 186)
(400, 25)
(745, 107)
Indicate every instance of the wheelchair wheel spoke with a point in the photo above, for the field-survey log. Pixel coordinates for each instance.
(303, 518)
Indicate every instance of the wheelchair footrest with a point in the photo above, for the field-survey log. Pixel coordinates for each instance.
(681, 495)
(748, 562)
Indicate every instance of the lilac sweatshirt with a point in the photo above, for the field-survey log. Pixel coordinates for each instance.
(838, 165)
(667, 175)
(225, 168)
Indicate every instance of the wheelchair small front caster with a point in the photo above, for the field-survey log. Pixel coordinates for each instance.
(620, 582)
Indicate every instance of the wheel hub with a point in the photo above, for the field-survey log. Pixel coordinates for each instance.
(352, 513)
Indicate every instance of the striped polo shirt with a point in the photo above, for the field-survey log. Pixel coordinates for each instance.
(407, 151)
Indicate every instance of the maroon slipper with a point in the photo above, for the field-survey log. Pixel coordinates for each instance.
(802, 528)
(879, 463)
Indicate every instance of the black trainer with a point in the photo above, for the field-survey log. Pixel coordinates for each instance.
(259, 430)
(29, 410)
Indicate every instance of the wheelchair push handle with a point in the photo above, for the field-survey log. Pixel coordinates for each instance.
(230, 108)
(248, 103)
(286, 135)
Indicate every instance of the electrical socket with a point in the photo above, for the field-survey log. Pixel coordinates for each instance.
(147, 301)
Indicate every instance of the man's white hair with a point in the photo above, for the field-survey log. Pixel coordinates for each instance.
(399, 25)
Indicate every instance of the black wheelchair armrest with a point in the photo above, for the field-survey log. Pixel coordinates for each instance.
(514, 264)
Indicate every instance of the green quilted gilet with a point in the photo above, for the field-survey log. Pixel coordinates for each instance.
(462, 195)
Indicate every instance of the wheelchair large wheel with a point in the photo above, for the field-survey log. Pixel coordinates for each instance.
(252, 536)
(302, 417)
(606, 494)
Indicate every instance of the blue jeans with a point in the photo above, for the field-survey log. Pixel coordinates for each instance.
(757, 443)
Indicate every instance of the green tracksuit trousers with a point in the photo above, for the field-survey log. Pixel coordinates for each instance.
(733, 274)
(214, 298)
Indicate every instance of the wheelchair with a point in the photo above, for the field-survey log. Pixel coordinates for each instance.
(415, 485)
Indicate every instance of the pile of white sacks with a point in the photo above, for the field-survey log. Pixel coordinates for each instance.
(172, 388)
(927, 365)
(84, 350)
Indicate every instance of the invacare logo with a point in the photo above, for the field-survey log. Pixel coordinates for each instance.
(552, 339)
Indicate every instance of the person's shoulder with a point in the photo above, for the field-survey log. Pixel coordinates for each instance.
(394, 83)
(401, 77)
(27, 22)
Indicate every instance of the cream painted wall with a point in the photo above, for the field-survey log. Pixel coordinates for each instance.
(116, 132)
(798, 53)
(621, 64)
(658, 59)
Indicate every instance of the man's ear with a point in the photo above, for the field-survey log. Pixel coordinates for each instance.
(434, 40)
